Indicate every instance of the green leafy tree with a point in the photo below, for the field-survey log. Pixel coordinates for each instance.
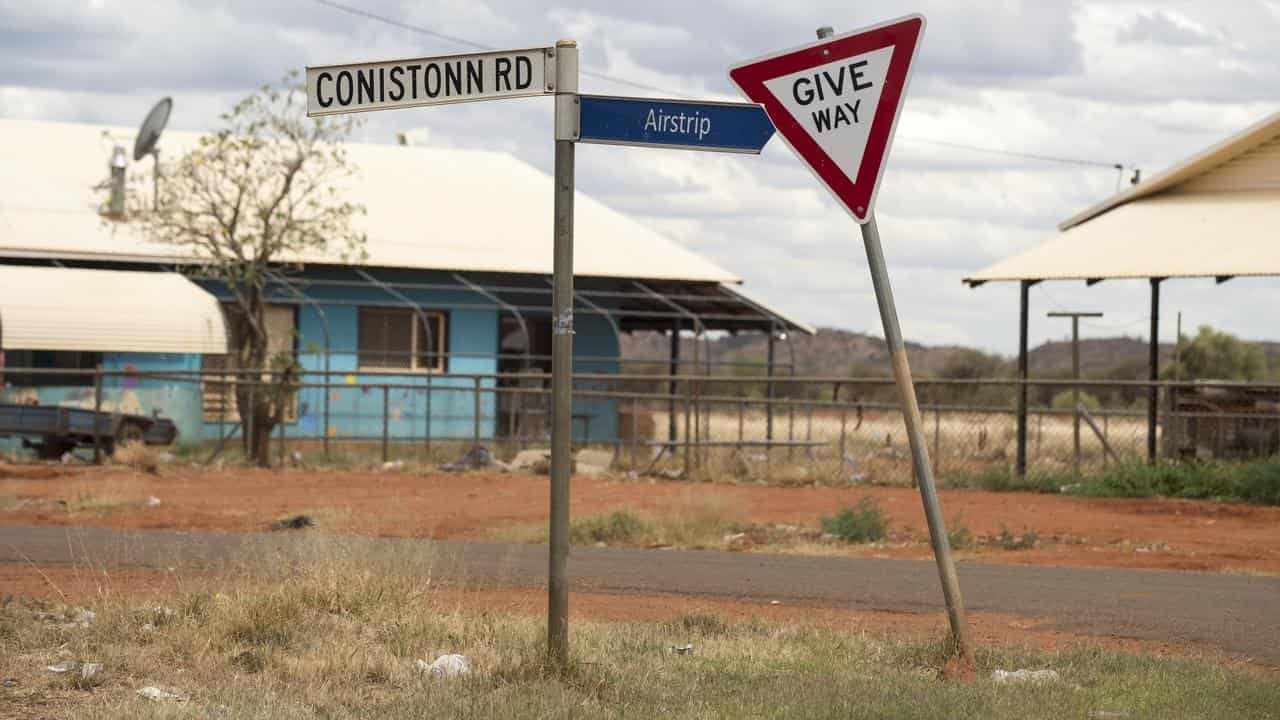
(261, 191)
(1216, 355)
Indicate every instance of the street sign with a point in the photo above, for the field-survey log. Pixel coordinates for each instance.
(836, 102)
(681, 124)
(334, 89)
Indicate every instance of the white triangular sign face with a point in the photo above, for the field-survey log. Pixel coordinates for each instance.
(836, 103)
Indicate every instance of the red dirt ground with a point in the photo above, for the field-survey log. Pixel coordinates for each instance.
(1082, 532)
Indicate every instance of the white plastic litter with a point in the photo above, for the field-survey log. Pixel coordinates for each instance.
(88, 670)
(155, 693)
(153, 501)
(683, 649)
(64, 666)
(83, 616)
(445, 666)
(1025, 676)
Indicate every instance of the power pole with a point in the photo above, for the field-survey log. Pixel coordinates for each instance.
(1075, 375)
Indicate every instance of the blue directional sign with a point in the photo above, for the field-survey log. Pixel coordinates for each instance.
(682, 124)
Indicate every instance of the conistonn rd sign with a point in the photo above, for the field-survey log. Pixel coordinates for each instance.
(334, 89)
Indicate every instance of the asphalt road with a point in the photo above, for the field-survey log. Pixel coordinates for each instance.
(1239, 614)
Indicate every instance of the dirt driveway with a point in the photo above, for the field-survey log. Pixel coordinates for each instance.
(1079, 532)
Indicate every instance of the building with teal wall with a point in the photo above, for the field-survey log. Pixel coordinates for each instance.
(453, 293)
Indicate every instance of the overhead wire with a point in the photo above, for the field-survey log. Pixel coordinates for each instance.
(464, 42)
(481, 46)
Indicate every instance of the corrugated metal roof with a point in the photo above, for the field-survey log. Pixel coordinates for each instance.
(1215, 214)
(44, 308)
(428, 208)
(1198, 164)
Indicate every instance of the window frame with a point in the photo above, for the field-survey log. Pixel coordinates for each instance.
(440, 333)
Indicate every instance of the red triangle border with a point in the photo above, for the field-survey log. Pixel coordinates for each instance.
(904, 36)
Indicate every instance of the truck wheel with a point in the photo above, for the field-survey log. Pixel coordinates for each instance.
(52, 448)
(127, 433)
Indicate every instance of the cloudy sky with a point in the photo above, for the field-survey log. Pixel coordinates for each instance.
(1141, 84)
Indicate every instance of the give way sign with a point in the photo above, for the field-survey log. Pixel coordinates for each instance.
(836, 103)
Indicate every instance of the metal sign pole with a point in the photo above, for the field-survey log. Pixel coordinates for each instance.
(566, 131)
(915, 436)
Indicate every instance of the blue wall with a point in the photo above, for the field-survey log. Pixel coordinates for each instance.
(355, 402)
(594, 338)
(170, 397)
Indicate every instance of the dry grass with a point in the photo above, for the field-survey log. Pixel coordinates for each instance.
(698, 518)
(333, 631)
(958, 441)
(139, 456)
(85, 503)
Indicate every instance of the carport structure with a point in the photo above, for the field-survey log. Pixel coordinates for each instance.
(1216, 214)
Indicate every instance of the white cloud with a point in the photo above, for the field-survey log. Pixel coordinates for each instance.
(1138, 82)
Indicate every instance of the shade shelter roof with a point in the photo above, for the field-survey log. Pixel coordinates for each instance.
(74, 309)
(1215, 214)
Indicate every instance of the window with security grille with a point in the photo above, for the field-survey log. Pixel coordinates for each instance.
(400, 339)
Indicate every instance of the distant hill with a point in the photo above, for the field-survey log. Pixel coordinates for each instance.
(834, 352)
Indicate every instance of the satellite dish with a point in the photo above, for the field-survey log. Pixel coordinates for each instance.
(149, 133)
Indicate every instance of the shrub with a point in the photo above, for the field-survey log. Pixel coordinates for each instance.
(1008, 541)
(267, 620)
(702, 623)
(958, 536)
(699, 517)
(619, 526)
(862, 523)
(1259, 483)
(139, 456)
(1062, 401)
(1000, 478)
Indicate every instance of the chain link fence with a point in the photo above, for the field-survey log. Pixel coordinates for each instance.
(784, 430)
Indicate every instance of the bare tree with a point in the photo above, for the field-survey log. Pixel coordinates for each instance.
(259, 193)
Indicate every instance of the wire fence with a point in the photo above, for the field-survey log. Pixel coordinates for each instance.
(780, 430)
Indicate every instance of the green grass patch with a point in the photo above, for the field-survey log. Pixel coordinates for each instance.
(1256, 482)
(620, 527)
(859, 524)
(695, 519)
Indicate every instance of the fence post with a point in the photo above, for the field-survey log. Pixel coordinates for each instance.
(251, 437)
(475, 429)
(327, 386)
(386, 412)
(742, 411)
(635, 432)
(844, 421)
(791, 427)
(937, 441)
(688, 441)
(284, 420)
(427, 430)
(512, 403)
(97, 411)
(1106, 432)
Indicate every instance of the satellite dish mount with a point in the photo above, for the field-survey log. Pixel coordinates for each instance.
(148, 136)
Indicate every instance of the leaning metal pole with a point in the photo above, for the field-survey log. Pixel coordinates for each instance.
(562, 352)
(915, 435)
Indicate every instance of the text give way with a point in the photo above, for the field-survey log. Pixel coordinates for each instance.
(334, 89)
